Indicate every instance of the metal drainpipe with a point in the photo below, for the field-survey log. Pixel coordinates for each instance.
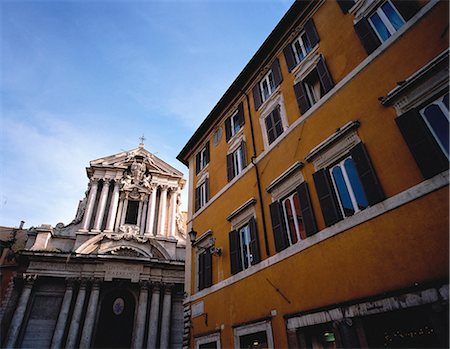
(253, 158)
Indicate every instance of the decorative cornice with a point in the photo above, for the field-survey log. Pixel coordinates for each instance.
(295, 167)
(241, 208)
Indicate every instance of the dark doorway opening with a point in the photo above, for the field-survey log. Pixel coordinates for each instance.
(116, 320)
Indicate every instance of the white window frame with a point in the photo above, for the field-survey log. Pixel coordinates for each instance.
(211, 338)
(439, 102)
(385, 20)
(238, 160)
(285, 218)
(270, 88)
(348, 184)
(253, 328)
(202, 158)
(232, 125)
(203, 199)
(302, 45)
(276, 101)
(244, 246)
(313, 95)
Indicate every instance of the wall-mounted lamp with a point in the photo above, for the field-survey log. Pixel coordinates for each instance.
(192, 235)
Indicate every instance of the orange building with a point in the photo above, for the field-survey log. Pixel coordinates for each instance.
(318, 194)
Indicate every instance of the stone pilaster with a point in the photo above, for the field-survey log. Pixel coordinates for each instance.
(113, 207)
(88, 328)
(142, 222)
(151, 211)
(19, 314)
(101, 205)
(173, 215)
(76, 317)
(119, 215)
(139, 326)
(63, 315)
(90, 204)
(162, 211)
(138, 221)
(165, 317)
(124, 211)
(154, 318)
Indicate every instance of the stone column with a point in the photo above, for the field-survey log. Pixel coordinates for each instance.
(19, 314)
(173, 217)
(90, 204)
(101, 205)
(119, 215)
(162, 210)
(76, 317)
(154, 318)
(63, 315)
(151, 211)
(165, 318)
(113, 207)
(124, 211)
(88, 328)
(144, 211)
(138, 221)
(139, 326)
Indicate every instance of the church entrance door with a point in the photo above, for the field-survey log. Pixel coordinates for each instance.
(116, 320)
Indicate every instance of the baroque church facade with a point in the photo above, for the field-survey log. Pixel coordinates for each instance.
(114, 276)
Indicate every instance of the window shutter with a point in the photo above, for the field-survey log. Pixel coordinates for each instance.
(324, 75)
(201, 271)
(367, 36)
(311, 32)
(228, 129)
(309, 220)
(345, 5)
(197, 163)
(207, 152)
(206, 190)
(289, 56)
(244, 156)
(407, 8)
(230, 172)
(254, 243)
(276, 71)
(240, 114)
(257, 96)
(278, 228)
(327, 198)
(235, 256)
(302, 100)
(197, 198)
(426, 151)
(367, 174)
(208, 269)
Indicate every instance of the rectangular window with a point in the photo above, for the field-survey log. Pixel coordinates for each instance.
(234, 123)
(267, 86)
(132, 212)
(293, 219)
(236, 162)
(436, 117)
(386, 20)
(301, 47)
(274, 126)
(244, 247)
(202, 158)
(255, 335)
(204, 269)
(201, 195)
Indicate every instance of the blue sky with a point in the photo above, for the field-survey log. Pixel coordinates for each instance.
(81, 80)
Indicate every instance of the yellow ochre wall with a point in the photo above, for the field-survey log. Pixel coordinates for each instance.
(395, 250)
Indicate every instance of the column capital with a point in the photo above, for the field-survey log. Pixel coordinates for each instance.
(156, 285)
(94, 181)
(106, 180)
(70, 282)
(143, 284)
(83, 282)
(164, 187)
(168, 288)
(29, 279)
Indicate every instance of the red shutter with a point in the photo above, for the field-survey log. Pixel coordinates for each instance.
(311, 32)
(276, 72)
(367, 174)
(278, 228)
(423, 146)
(254, 243)
(257, 96)
(309, 220)
(302, 99)
(327, 197)
(324, 75)
(289, 56)
(235, 255)
(367, 36)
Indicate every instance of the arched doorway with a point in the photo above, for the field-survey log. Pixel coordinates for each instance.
(116, 320)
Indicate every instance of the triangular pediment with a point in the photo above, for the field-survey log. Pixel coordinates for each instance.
(126, 158)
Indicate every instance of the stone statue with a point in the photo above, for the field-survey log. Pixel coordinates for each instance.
(146, 181)
(126, 181)
(138, 171)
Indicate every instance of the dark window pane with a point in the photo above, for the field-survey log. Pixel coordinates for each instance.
(446, 100)
(344, 196)
(439, 125)
(212, 345)
(392, 15)
(132, 212)
(355, 182)
(254, 340)
(380, 27)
